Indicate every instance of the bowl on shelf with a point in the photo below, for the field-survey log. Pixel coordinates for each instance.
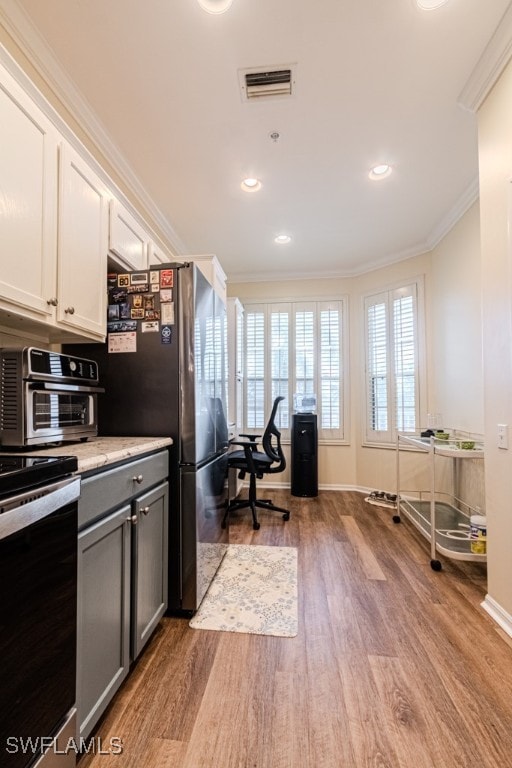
(442, 435)
(466, 445)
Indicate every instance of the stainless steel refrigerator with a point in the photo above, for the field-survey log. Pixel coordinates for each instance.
(164, 370)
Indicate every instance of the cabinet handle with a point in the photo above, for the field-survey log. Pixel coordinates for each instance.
(52, 302)
(133, 519)
(145, 510)
(70, 310)
(138, 479)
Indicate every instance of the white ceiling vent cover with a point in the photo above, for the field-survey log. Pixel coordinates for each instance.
(267, 82)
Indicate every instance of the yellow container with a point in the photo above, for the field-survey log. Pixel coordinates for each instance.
(478, 534)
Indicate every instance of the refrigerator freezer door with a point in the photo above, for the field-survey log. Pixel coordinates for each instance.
(204, 542)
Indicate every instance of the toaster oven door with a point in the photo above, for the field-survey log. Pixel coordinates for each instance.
(56, 413)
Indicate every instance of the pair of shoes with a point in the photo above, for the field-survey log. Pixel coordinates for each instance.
(377, 495)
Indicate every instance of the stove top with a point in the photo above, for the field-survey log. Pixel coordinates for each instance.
(18, 472)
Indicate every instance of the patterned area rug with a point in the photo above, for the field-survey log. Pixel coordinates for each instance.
(254, 591)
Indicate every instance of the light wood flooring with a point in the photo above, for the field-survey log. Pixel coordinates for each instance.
(394, 665)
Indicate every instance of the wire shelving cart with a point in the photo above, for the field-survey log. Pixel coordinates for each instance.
(442, 518)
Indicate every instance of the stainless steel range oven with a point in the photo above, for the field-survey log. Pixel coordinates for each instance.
(38, 589)
(46, 397)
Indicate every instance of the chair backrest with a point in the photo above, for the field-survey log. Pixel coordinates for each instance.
(271, 441)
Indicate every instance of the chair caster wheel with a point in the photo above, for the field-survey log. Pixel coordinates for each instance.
(286, 516)
(435, 565)
(256, 526)
(396, 518)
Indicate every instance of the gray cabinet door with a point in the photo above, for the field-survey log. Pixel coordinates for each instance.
(103, 654)
(150, 555)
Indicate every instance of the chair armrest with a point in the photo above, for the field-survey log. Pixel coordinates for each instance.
(252, 438)
(248, 451)
(244, 443)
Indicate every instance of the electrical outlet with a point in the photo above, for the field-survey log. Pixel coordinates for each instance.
(503, 436)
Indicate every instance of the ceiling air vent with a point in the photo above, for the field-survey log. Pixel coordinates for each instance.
(264, 83)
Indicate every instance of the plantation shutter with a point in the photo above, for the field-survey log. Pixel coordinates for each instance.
(391, 364)
(294, 347)
(255, 368)
(280, 356)
(330, 400)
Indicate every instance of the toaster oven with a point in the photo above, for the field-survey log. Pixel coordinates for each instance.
(46, 397)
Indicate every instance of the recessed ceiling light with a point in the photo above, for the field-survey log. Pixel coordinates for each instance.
(215, 6)
(251, 185)
(282, 239)
(430, 5)
(380, 171)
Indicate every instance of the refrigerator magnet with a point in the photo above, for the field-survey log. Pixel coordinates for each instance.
(166, 278)
(122, 342)
(167, 313)
(123, 281)
(139, 278)
(165, 295)
(149, 326)
(154, 277)
(166, 334)
(124, 311)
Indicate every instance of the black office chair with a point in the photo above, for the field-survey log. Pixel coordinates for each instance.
(256, 464)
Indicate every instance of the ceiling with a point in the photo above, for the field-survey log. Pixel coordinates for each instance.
(375, 81)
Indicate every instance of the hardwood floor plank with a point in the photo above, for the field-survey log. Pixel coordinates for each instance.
(403, 715)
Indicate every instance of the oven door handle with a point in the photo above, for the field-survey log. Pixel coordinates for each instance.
(42, 385)
(24, 509)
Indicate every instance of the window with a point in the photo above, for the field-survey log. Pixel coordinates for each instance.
(294, 347)
(392, 354)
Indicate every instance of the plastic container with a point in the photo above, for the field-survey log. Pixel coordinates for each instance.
(304, 403)
(478, 534)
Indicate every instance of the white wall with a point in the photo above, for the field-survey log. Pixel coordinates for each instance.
(495, 156)
(456, 327)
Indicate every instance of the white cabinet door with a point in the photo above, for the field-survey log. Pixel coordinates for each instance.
(157, 256)
(28, 202)
(82, 247)
(212, 270)
(128, 239)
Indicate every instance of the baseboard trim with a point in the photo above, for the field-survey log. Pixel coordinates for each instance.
(498, 614)
(322, 487)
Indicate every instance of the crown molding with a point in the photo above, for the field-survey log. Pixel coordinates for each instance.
(490, 65)
(32, 45)
(448, 221)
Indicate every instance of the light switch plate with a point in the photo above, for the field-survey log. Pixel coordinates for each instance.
(503, 436)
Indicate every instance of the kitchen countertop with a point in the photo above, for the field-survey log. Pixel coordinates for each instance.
(101, 451)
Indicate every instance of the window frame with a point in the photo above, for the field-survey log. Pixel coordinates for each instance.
(388, 438)
(292, 305)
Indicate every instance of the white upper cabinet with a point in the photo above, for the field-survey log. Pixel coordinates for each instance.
(158, 255)
(128, 239)
(82, 246)
(212, 270)
(53, 226)
(28, 202)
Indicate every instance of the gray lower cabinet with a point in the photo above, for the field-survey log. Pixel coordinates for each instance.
(122, 576)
